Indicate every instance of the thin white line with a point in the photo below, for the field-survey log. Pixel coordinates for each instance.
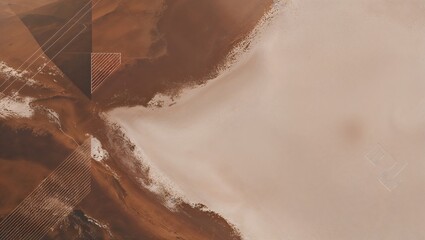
(36, 216)
(24, 202)
(99, 53)
(30, 223)
(52, 59)
(385, 185)
(86, 190)
(97, 61)
(67, 198)
(106, 58)
(51, 38)
(100, 84)
(40, 195)
(44, 65)
(402, 168)
(100, 74)
(54, 43)
(110, 61)
(106, 66)
(60, 195)
(106, 73)
(96, 66)
(55, 33)
(104, 53)
(5, 80)
(50, 216)
(65, 214)
(107, 53)
(66, 134)
(95, 58)
(99, 66)
(47, 185)
(69, 158)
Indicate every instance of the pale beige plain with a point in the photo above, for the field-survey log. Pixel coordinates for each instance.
(277, 145)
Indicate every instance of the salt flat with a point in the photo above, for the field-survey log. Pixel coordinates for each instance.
(281, 144)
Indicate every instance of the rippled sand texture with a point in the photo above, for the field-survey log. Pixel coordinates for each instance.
(317, 133)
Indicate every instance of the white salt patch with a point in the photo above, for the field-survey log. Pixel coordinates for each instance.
(15, 107)
(159, 184)
(10, 74)
(161, 100)
(97, 152)
(8, 71)
(100, 225)
(31, 82)
(53, 116)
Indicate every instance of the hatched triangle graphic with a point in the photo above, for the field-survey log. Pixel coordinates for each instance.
(102, 66)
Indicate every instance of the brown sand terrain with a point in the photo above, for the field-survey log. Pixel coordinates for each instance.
(174, 43)
(63, 30)
(185, 42)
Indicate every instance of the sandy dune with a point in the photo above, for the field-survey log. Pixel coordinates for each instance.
(317, 133)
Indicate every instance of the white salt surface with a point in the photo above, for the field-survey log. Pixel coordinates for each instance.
(277, 145)
(98, 153)
(15, 107)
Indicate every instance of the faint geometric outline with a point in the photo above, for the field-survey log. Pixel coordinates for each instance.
(388, 176)
(85, 27)
(53, 199)
(389, 179)
(102, 66)
(60, 29)
(30, 198)
(376, 154)
(27, 202)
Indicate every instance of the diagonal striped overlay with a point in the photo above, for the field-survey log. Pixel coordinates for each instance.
(52, 200)
(80, 14)
(102, 66)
